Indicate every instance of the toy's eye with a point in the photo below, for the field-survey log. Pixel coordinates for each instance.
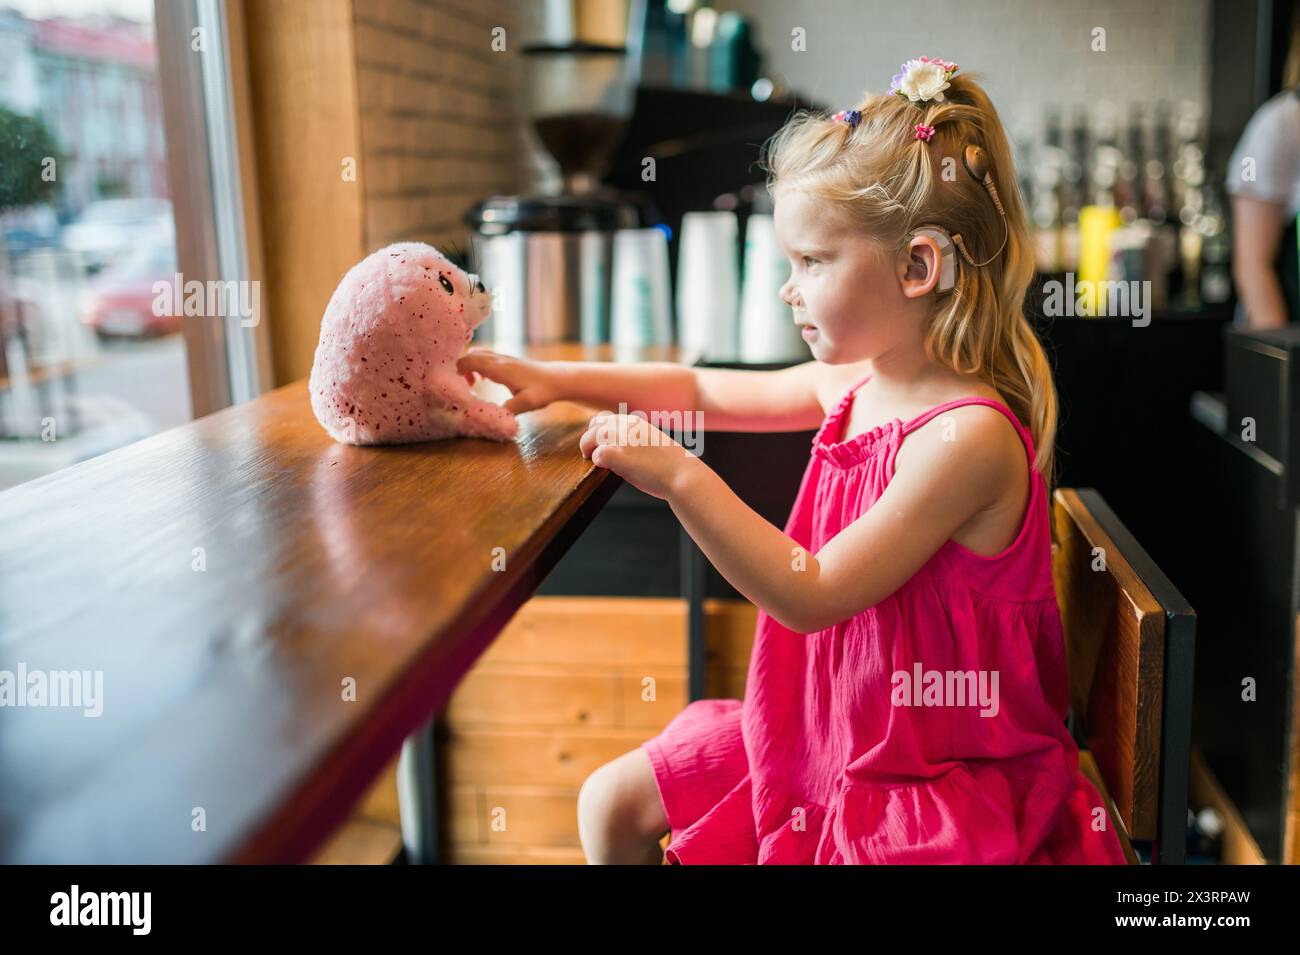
(446, 284)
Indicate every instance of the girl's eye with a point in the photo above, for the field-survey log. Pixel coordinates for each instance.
(446, 284)
(808, 260)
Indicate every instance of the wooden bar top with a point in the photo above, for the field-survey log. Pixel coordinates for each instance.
(271, 614)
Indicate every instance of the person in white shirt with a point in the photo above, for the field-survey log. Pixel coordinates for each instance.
(1264, 182)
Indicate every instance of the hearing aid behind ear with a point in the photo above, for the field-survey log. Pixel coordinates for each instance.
(947, 264)
(977, 164)
(976, 161)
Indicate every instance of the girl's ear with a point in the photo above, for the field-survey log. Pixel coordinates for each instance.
(918, 268)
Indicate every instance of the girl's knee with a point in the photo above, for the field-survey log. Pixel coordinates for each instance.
(601, 797)
(622, 794)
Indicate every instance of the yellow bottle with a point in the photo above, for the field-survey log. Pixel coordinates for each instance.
(1096, 223)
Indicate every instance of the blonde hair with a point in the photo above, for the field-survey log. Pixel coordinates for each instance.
(879, 178)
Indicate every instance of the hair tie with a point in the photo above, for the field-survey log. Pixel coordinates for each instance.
(850, 116)
(924, 132)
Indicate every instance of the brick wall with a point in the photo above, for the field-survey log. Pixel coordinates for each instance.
(442, 125)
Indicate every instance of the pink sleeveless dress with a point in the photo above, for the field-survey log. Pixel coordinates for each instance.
(831, 760)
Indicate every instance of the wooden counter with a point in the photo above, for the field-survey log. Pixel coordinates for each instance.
(232, 580)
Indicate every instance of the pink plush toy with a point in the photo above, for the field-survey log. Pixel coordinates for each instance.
(385, 368)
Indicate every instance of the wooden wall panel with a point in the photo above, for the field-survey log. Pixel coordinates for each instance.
(303, 86)
(558, 694)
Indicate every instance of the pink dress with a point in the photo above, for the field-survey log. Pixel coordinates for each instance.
(832, 759)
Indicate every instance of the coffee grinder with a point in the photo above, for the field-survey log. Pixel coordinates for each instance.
(548, 257)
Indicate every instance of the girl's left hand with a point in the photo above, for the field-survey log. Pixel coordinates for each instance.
(636, 451)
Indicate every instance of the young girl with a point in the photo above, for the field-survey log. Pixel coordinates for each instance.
(907, 686)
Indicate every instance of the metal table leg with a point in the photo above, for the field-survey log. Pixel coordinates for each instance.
(694, 582)
(417, 796)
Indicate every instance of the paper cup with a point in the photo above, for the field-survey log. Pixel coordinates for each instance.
(768, 332)
(642, 307)
(708, 284)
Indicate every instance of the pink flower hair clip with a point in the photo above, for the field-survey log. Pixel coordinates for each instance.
(923, 79)
(850, 116)
(924, 132)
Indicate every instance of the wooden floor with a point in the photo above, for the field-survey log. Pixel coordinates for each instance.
(362, 842)
(1239, 846)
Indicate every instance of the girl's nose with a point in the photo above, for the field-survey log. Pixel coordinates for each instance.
(790, 296)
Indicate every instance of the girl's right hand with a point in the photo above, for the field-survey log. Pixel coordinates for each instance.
(531, 383)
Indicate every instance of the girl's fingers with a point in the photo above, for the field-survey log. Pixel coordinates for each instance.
(591, 438)
(476, 359)
(520, 402)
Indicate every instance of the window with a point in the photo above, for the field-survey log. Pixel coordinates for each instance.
(87, 363)
(94, 353)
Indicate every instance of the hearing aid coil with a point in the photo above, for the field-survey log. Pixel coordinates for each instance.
(976, 162)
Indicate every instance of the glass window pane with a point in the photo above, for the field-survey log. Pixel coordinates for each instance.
(91, 354)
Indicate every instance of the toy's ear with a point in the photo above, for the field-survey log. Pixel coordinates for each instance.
(456, 255)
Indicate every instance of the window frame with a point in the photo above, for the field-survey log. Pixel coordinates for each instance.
(212, 172)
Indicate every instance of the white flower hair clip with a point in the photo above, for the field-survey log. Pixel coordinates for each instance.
(923, 79)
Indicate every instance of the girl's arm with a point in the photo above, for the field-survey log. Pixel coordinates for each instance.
(1257, 230)
(728, 399)
(942, 486)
